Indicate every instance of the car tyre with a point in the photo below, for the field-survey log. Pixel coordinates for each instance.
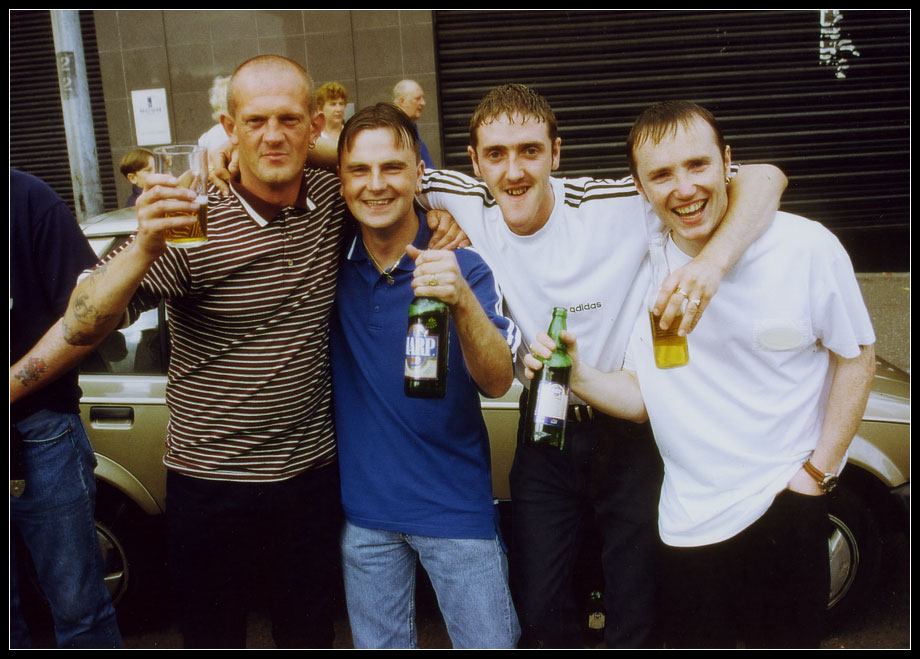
(134, 557)
(854, 544)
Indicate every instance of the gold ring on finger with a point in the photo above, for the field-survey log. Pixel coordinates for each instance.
(433, 281)
(681, 291)
(695, 301)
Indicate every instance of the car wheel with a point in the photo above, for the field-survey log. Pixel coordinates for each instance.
(133, 553)
(854, 545)
(118, 571)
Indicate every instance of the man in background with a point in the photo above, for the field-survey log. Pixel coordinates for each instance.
(409, 97)
(53, 498)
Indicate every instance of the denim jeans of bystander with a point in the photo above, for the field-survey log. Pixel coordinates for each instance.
(54, 518)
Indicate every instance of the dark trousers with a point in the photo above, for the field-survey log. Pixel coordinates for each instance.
(610, 469)
(766, 587)
(222, 533)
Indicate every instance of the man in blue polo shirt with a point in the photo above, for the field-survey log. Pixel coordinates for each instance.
(416, 482)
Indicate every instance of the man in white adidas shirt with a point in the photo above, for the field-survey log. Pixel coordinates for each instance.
(754, 429)
(579, 244)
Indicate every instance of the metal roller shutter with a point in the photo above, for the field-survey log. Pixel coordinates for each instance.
(38, 144)
(822, 94)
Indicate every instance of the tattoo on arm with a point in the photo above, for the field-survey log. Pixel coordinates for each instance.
(31, 371)
(85, 314)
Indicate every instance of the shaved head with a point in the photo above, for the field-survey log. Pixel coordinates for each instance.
(268, 65)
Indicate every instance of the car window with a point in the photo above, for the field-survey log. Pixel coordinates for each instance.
(137, 349)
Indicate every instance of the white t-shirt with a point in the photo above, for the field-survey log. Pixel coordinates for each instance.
(586, 258)
(736, 423)
(214, 138)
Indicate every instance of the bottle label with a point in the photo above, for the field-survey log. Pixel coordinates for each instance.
(552, 403)
(421, 353)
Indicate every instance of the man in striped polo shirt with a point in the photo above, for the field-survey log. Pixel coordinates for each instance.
(252, 477)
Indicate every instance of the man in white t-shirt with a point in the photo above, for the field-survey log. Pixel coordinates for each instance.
(579, 244)
(755, 428)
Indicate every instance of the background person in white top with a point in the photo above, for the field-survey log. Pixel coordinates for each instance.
(579, 244)
(753, 430)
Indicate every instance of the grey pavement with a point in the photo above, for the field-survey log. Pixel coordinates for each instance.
(887, 297)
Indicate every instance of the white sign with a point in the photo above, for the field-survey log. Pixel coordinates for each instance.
(151, 118)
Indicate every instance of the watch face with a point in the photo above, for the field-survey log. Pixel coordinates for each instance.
(830, 482)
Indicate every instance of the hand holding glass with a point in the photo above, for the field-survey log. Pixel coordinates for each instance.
(189, 164)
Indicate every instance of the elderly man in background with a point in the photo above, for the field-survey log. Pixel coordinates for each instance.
(409, 97)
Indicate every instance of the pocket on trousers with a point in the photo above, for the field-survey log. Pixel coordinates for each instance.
(59, 460)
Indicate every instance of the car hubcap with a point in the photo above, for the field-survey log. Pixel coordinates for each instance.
(844, 560)
(116, 566)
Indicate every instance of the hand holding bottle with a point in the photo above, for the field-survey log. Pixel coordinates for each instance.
(437, 274)
(543, 347)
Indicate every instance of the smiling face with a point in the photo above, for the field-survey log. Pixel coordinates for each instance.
(379, 179)
(515, 156)
(683, 177)
(273, 126)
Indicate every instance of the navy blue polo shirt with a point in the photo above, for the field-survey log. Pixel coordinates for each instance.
(408, 465)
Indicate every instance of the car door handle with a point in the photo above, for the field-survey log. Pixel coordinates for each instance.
(108, 416)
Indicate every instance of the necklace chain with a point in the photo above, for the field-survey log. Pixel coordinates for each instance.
(386, 272)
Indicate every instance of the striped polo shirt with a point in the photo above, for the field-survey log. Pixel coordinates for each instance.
(249, 390)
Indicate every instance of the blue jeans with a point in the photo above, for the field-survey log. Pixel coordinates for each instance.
(470, 579)
(54, 517)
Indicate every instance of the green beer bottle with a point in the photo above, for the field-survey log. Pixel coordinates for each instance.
(427, 341)
(548, 399)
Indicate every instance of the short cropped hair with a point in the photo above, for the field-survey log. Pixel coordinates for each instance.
(382, 115)
(330, 92)
(270, 64)
(511, 99)
(134, 161)
(662, 119)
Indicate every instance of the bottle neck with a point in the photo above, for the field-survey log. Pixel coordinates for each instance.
(557, 326)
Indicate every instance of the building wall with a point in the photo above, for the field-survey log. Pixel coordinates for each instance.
(183, 50)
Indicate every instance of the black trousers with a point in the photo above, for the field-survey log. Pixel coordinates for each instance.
(223, 533)
(609, 469)
(766, 587)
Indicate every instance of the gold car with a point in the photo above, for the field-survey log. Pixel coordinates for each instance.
(124, 409)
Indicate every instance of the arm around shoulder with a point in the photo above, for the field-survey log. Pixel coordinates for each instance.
(754, 195)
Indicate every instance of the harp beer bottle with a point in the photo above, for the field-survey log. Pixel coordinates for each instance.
(548, 399)
(427, 341)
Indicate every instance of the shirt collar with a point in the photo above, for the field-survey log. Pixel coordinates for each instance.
(357, 251)
(263, 212)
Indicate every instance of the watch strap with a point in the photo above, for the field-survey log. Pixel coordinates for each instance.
(824, 480)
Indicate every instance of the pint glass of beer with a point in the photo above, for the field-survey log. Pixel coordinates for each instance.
(189, 164)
